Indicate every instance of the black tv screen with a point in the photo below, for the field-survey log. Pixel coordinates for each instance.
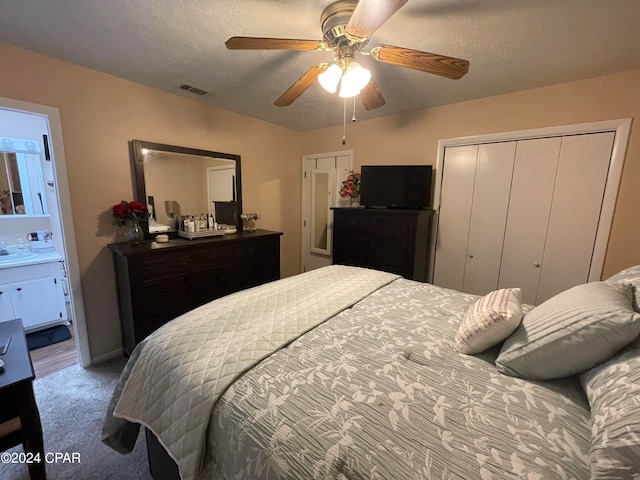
(396, 186)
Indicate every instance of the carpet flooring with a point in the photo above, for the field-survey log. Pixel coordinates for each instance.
(72, 404)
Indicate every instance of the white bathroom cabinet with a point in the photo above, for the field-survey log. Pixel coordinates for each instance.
(33, 293)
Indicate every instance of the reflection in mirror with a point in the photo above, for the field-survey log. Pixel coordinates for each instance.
(21, 186)
(178, 181)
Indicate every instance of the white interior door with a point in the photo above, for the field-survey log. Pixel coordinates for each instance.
(220, 185)
(575, 213)
(532, 187)
(322, 175)
(490, 204)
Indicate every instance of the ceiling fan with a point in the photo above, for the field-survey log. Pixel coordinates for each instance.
(346, 28)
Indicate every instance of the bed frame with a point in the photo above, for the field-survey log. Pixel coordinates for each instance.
(161, 465)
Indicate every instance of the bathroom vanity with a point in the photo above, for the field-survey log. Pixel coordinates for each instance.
(31, 288)
(156, 282)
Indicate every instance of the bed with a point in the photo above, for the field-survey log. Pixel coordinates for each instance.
(350, 373)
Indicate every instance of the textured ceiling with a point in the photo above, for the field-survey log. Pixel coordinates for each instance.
(511, 45)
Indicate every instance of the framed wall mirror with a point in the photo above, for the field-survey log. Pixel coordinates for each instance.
(177, 181)
(21, 181)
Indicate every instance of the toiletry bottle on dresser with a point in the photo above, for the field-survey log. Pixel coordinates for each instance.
(196, 224)
(209, 221)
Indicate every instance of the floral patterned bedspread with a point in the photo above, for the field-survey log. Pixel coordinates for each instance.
(378, 392)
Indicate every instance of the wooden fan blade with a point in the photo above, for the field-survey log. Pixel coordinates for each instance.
(369, 15)
(301, 85)
(449, 67)
(371, 96)
(257, 43)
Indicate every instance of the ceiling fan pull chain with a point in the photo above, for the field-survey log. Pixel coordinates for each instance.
(344, 123)
(353, 119)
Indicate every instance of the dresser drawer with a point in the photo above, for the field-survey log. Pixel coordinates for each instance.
(260, 249)
(203, 258)
(208, 285)
(160, 293)
(262, 272)
(158, 265)
(352, 222)
(152, 319)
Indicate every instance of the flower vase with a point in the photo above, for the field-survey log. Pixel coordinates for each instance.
(135, 234)
(354, 202)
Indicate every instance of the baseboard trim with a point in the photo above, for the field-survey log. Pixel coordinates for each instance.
(106, 357)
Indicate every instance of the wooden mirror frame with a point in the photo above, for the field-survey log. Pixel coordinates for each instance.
(136, 148)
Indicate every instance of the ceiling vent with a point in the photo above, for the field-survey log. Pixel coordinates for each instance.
(195, 90)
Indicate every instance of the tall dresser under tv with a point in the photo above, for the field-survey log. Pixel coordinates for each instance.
(391, 240)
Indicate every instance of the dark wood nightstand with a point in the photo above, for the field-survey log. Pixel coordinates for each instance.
(19, 416)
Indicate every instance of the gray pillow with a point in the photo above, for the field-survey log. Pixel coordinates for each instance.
(629, 276)
(613, 391)
(571, 332)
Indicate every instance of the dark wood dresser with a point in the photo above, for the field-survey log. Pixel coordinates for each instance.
(156, 282)
(390, 240)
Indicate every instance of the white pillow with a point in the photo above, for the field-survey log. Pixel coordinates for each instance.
(489, 321)
(571, 332)
(628, 276)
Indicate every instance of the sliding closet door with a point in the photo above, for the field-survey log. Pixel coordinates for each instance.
(532, 189)
(575, 212)
(489, 208)
(458, 177)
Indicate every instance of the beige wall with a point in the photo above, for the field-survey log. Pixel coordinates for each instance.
(412, 138)
(99, 115)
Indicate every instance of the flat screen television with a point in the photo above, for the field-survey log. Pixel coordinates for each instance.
(396, 186)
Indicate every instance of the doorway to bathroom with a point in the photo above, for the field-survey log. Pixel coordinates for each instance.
(41, 260)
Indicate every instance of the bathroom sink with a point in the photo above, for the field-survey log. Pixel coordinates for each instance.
(17, 257)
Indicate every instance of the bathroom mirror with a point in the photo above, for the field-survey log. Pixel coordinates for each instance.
(21, 185)
(175, 181)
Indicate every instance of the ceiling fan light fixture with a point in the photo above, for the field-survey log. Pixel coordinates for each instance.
(330, 78)
(347, 90)
(355, 78)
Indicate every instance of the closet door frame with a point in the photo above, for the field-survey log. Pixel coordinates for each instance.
(620, 127)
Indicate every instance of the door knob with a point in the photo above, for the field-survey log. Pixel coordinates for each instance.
(536, 264)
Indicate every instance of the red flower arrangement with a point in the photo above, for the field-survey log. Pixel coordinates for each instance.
(132, 211)
(351, 185)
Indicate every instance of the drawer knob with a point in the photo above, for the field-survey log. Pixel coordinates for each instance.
(471, 255)
(536, 264)
(19, 289)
